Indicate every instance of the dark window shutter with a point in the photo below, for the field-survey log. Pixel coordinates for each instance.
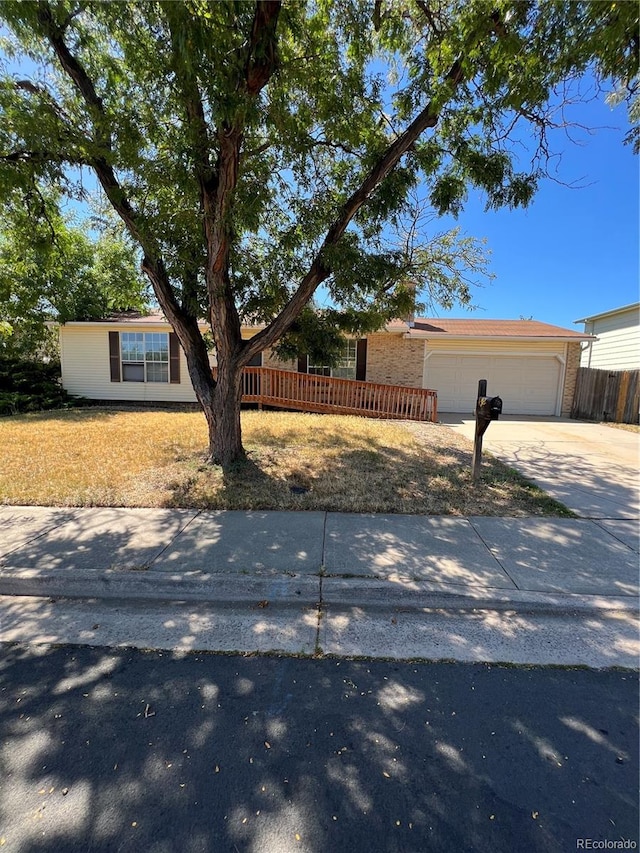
(303, 364)
(174, 359)
(114, 356)
(361, 359)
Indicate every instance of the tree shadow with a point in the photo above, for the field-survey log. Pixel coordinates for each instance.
(96, 539)
(434, 480)
(589, 467)
(122, 750)
(574, 479)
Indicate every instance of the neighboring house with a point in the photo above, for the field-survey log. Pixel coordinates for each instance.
(618, 339)
(531, 365)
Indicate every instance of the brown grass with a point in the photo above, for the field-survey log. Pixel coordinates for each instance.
(106, 457)
(626, 427)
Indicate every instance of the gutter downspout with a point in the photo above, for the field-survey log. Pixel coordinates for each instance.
(563, 378)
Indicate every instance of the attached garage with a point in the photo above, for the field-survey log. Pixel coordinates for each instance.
(531, 365)
(528, 385)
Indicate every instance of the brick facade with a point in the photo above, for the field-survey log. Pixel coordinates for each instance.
(393, 360)
(269, 359)
(570, 378)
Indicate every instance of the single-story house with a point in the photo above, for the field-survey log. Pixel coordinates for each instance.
(617, 343)
(531, 365)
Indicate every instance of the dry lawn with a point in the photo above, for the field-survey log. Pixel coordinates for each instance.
(626, 427)
(109, 457)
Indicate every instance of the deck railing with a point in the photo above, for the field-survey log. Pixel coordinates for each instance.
(310, 393)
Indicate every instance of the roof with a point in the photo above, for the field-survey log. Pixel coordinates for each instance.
(421, 328)
(138, 318)
(126, 317)
(135, 317)
(633, 307)
(493, 329)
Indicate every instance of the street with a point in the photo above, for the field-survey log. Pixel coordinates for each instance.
(109, 750)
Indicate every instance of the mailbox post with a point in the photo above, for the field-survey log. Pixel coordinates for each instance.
(487, 409)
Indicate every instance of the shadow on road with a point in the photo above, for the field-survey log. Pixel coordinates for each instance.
(127, 751)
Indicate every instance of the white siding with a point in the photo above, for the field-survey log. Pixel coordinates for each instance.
(618, 344)
(528, 380)
(84, 352)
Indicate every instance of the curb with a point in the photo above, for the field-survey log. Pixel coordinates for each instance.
(224, 589)
(321, 592)
(424, 596)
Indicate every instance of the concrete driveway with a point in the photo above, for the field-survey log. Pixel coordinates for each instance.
(593, 469)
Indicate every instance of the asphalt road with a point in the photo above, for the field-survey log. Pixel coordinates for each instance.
(121, 750)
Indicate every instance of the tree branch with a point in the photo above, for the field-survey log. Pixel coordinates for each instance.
(262, 57)
(327, 143)
(259, 66)
(318, 271)
(217, 183)
(106, 174)
(426, 9)
(191, 96)
(21, 155)
(84, 84)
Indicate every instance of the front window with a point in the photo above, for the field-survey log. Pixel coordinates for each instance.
(345, 367)
(145, 356)
(319, 369)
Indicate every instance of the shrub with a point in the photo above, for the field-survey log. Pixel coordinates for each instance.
(27, 386)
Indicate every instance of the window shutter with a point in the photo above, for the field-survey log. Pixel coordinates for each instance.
(361, 359)
(174, 359)
(114, 356)
(303, 364)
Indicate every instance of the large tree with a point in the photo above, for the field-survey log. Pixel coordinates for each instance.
(56, 268)
(258, 150)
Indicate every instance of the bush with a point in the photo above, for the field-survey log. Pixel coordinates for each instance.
(27, 386)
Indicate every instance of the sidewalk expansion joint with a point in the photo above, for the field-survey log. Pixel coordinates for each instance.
(597, 521)
(40, 535)
(318, 648)
(481, 538)
(324, 541)
(173, 539)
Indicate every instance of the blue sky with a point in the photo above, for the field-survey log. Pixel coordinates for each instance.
(572, 252)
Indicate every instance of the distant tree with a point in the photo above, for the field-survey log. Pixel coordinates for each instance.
(257, 150)
(53, 269)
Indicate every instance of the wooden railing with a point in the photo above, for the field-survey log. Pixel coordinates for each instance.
(310, 393)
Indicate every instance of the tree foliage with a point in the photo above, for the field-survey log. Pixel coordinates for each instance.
(257, 150)
(53, 270)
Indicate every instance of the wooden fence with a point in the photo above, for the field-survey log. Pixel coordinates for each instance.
(604, 395)
(310, 393)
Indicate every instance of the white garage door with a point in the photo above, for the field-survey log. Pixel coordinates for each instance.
(527, 385)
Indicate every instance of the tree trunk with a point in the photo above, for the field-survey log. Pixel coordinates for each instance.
(220, 403)
(220, 399)
(223, 418)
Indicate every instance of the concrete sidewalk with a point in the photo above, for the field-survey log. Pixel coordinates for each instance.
(530, 590)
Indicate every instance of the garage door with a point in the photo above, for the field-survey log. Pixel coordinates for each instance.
(527, 385)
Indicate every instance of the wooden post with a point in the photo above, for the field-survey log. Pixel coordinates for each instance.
(481, 427)
(623, 391)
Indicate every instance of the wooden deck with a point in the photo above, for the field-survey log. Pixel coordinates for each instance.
(310, 393)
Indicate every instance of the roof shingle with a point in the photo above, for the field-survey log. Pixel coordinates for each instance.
(493, 328)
